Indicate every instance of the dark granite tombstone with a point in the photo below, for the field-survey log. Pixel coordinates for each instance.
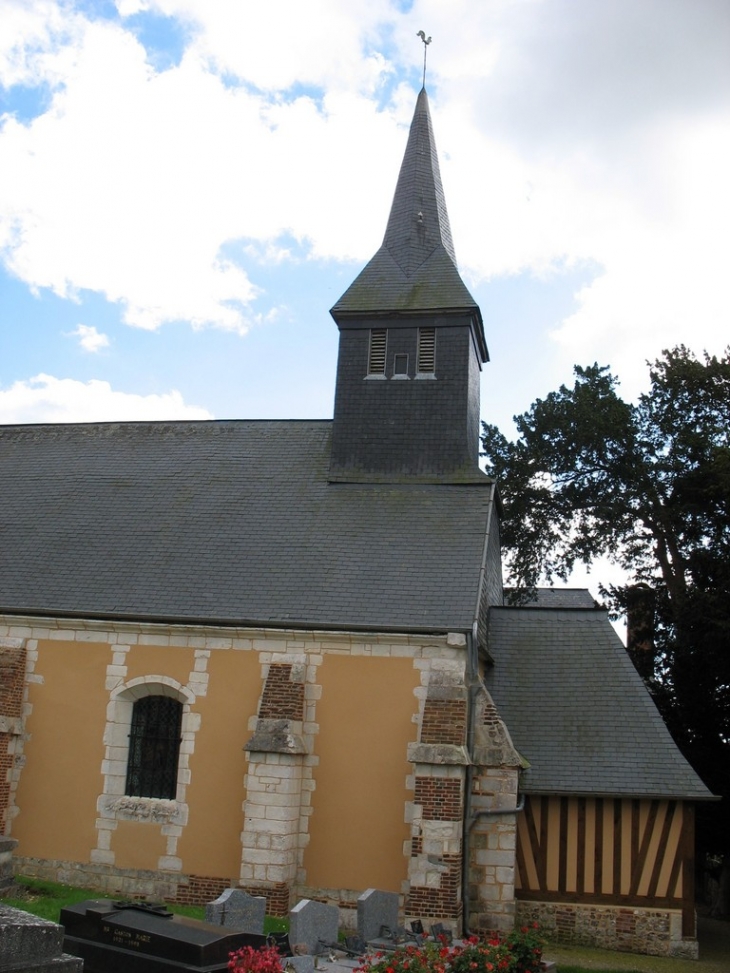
(118, 937)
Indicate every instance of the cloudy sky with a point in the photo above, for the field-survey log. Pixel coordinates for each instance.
(187, 186)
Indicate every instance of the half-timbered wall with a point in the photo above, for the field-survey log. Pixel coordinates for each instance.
(626, 853)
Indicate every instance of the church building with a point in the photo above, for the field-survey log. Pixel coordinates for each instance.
(277, 654)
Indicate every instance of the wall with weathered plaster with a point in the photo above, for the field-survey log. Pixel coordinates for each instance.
(295, 771)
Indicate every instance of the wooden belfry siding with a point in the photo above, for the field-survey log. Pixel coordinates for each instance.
(607, 850)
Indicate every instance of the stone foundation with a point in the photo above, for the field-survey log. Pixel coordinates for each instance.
(656, 932)
(169, 886)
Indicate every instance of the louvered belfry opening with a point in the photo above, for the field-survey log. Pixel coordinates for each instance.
(427, 350)
(378, 346)
(154, 747)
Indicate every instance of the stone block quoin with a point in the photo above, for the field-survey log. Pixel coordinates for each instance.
(282, 697)
(12, 686)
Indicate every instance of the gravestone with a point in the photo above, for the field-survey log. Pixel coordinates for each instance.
(236, 909)
(123, 937)
(29, 944)
(7, 847)
(376, 910)
(313, 924)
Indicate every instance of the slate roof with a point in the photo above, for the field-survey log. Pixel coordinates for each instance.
(415, 268)
(228, 521)
(578, 711)
(558, 598)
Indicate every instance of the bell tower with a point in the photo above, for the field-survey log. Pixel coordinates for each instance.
(411, 341)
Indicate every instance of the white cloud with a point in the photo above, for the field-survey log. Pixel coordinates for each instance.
(569, 134)
(33, 33)
(44, 398)
(134, 181)
(599, 135)
(89, 338)
(281, 43)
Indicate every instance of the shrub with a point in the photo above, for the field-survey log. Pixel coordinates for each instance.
(429, 958)
(519, 952)
(482, 956)
(526, 946)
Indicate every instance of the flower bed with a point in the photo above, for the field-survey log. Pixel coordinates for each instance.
(519, 952)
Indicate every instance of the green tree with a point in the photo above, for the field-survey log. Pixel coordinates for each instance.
(648, 485)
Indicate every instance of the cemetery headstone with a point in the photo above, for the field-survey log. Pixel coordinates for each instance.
(7, 847)
(236, 909)
(124, 937)
(29, 944)
(313, 924)
(376, 910)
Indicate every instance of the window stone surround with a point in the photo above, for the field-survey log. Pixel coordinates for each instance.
(113, 804)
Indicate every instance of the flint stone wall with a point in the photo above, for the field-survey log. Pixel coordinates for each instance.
(656, 932)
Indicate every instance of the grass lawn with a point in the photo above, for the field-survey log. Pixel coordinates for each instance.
(46, 899)
(582, 969)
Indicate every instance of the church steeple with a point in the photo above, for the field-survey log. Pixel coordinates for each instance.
(409, 316)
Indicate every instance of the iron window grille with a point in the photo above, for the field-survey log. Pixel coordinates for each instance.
(154, 747)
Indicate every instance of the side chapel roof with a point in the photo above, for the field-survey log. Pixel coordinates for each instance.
(228, 522)
(578, 711)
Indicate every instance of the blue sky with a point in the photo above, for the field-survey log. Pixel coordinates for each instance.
(187, 186)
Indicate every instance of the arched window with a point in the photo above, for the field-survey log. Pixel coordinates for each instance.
(154, 747)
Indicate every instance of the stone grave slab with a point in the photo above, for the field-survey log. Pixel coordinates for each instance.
(300, 964)
(312, 924)
(236, 909)
(119, 937)
(32, 945)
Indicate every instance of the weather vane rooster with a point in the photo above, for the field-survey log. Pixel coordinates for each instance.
(426, 42)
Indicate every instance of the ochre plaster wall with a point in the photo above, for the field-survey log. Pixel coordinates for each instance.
(211, 841)
(62, 779)
(357, 829)
(137, 844)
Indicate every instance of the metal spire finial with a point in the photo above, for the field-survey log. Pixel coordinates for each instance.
(426, 42)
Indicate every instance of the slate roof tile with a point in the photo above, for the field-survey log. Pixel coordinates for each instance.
(228, 521)
(578, 711)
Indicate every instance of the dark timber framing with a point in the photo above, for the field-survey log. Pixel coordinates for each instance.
(563, 843)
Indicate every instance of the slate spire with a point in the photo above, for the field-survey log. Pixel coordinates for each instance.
(418, 221)
(415, 268)
(411, 342)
